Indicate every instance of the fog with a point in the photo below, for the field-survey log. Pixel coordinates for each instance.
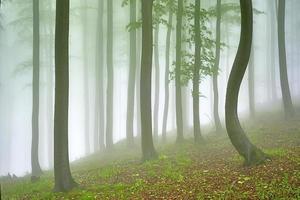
(16, 76)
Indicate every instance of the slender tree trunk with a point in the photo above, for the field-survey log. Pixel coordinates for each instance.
(110, 77)
(132, 75)
(138, 72)
(86, 81)
(157, 82)
(245, 148)
(196, 75)
(284, 82)
(272, 50)
(216, 69)
(167, 72)
(35, 165)
(99, 102)
(62, 172)
(251, 85)
(179, 121)
(146, 74)
(131, 79)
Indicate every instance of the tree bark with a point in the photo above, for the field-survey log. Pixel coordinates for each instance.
(216, 69)
(179, 121)
(167, 73)
(284, 82)
(145, 84)
(242, 144)
(35, 165)
(99, 102)
(110, 77)
(62, 173)
(132, 76)
(196, 75)
(157, 82)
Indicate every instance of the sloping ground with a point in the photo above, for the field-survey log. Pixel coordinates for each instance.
(211, 170)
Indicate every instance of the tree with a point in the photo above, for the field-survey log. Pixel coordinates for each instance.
(216, 68)
(196, 75)
(99, 108)
(242, 144)
(284, 82)
(110, 77)
(132, 76)
(251, 85)
(145, 84)
(62, 172)
(36, 169)
(179, 121)
(167, 73)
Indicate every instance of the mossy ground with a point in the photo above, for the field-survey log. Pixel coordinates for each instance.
(210, 170)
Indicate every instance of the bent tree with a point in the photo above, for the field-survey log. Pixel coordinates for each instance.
(240, 141)
(62, 173)
(145, 84)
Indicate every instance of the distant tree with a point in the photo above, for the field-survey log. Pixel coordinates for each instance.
(110, 77)
(284, 82)
(240, 141)
(62, 173)
(36, 169)
(99, 110)
(132, 76)
(145, 84)
(179, 121)
(251, 84)
(216, 68)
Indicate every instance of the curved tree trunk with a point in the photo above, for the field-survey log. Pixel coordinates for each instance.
(245, 148)
(99, 102)
(196, 75)
(145, 84)
(284, 82)
(216, 69)
(110, 77)
(132, 76)
(62, 172)
(157, 78)
(35, 165)
(167, 72)
(179, 121)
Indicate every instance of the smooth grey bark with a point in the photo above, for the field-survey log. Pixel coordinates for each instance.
(132, 76)
(62, 173)
(179, 120)
(145, 82)
(284, 82)
(99, 101)
(110, 77)
(138, 72)
(35, 165)
(216, 69)
(167, 81)
(196, 73)
(240, 141)
(86, 80)
(157, 82)
(251, 85)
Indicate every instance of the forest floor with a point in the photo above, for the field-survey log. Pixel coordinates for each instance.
(211, 170)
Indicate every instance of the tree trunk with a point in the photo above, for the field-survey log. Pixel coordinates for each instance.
(284, 82)
(196, 75)
(35, 166)
(179, 121)
(110, 77)
(86, 81)
(216, 69)
(157, 82)
(62, 172)
(167, 72)
(132, 76)
(99, 102)
(245, 148)
(146, 73)
(138, 73)
(272, 50)
(251, 85)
